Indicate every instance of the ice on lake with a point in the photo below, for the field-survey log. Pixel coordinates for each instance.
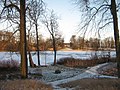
(46, 57)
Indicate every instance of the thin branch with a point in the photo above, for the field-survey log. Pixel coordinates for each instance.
(103, 16)
(102, 7)
(105, 25)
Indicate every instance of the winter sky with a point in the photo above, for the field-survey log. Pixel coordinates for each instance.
(69, 16)
(68, 19)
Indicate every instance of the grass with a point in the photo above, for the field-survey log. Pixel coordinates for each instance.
(10, 78)
(24, 85)
(93, 84)
(72, 62)
(9, 69)
(84, 84)
(9, 64)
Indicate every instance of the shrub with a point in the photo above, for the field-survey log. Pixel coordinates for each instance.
(9, 64)
(72, 62)
(63, 61)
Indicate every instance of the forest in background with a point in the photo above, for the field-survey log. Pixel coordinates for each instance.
(10, 42)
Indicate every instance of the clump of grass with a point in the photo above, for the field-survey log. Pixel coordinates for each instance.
(9, 64)
(9, 69)
(72, 62)
(63, 61)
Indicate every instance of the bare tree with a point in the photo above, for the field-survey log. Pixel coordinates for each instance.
(10, 8)
(10, 16)
(52, 26)
(73, 42)
(80, 42)
(29, 44)
(23, 43)
(101, 13)
(36, 9)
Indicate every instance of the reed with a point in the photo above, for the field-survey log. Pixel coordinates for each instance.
(72, 62)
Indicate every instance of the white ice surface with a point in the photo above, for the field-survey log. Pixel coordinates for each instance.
(46, 57)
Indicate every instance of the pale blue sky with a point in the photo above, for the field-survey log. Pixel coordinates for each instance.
(69, 16)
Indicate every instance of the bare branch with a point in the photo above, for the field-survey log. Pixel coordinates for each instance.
(105, 25)
(9, 6)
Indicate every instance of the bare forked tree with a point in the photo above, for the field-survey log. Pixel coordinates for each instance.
(35, 11)
(99, 15)
(51, 24)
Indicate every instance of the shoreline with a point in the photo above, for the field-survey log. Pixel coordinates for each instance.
(69, 49)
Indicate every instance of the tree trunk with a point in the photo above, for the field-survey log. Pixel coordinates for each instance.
(30, 56)
(37, 44)
(116, 34)
(30, 60)
(54, 48)
(23, 43)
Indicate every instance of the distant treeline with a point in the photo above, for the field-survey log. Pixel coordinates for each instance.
(12, 43)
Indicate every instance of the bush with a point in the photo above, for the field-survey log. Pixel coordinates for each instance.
(9, 64)
(9, 70)
(63, 61)
(72, 62)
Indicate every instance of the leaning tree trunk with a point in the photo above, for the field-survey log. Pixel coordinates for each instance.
(30, 56)
(31, 61)
(116, 33)
(23, 45)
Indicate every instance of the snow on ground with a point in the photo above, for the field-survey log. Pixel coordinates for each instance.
(89, 73)
(67, 74)
(49, 72)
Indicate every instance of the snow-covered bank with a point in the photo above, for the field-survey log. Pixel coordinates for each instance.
(68, 74)
(89, 73)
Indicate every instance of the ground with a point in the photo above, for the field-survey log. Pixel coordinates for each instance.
(67, 79)
(27, 84)
(92, 84)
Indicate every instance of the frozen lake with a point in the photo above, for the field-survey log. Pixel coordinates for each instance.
(46, 57)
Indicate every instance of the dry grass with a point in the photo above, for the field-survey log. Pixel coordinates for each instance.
(9, 69)
(93, 84)
(72, 62)
(24, 85)
(9, 64)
